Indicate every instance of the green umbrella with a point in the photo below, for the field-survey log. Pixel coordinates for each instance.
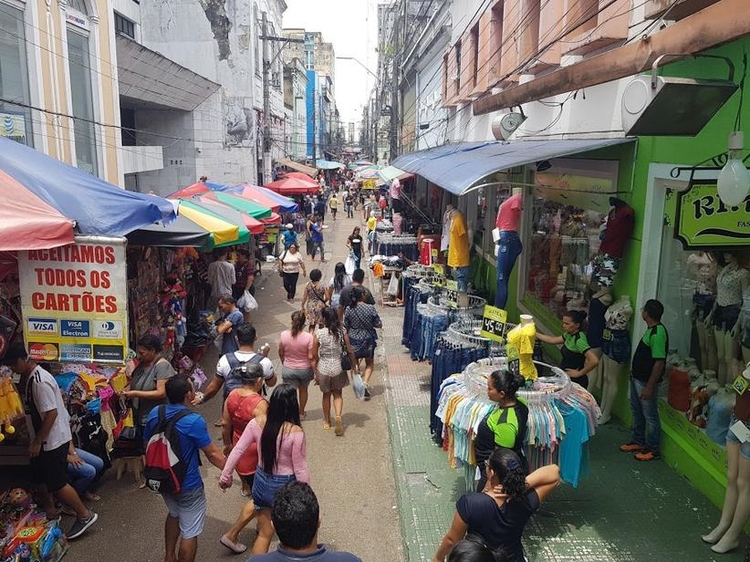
(243, 235)
(245, 205)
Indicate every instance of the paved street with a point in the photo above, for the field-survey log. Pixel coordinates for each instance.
(622, 512)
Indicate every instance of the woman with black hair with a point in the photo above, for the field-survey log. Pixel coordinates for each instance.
(469, 550)
(282, 457)
(505, 426)
(360, 321)
(578, 359)
(498, 515)
(325, 356)
(314, 300)
(339, 280)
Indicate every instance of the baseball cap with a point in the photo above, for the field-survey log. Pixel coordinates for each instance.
(290, 226)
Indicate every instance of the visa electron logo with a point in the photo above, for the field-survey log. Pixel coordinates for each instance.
(42, 325)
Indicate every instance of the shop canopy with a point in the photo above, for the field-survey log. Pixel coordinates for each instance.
(97, 207)
(246, 206)
(181, 232)
(223, 231)
(294, 183)
(370, 173)
(231, 213)
(359, 163)
(291, 164)
(27, 222)
(458, 167)
(198, 188)
(328, 165)
(286, 205)
(390, 173)
(253, 194)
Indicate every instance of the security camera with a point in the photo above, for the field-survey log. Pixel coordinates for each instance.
(503, 126)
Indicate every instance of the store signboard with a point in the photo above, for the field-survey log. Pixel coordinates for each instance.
(702, 220)
(74, 301)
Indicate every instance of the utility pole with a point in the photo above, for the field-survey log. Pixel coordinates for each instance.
(395, 79)
(267, 176)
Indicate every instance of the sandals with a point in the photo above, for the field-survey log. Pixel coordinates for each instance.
(236, 547)
(339, 431)
(326, 426)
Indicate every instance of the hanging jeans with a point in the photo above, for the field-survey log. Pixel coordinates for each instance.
(509, 248)
(646, 424)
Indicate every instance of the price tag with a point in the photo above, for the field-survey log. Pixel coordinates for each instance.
(451, 293)
(439, 268)
(493, 323)
(740, 384)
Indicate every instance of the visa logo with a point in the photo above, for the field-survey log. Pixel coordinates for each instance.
(42, 325)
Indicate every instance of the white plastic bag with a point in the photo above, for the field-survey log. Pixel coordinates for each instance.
(350, 265)
(359, 386)
(392, 286)
(247, 302)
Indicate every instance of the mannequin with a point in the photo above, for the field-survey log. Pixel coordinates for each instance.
(620, 223)
(742, 328)
(736, 510)
(521, 341)
(731, 284)
(704, 267)
(598, 305)
(509, 243)
(616, 349)
(458, 254)
(446, 232)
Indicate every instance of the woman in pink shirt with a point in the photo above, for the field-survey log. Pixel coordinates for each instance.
(283, 457)
(294, 351)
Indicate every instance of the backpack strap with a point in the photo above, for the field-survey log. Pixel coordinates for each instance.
(169, 427)
(233, 361)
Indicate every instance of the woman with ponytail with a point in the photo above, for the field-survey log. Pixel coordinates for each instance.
(505, 426)
(578, 359)
(498, 515)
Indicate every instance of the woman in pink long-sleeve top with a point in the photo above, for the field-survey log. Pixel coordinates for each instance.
(282, 458)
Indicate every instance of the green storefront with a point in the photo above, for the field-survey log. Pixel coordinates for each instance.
(653, 175)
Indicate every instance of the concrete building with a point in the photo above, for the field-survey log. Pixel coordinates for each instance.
(207, 117)
(295, 88)
(59, 59)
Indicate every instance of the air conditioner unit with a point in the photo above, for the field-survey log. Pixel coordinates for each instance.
(668, 106)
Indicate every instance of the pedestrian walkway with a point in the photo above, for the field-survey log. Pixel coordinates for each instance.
(624, 511)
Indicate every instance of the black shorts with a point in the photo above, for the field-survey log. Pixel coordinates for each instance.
(248, 479)
(51, 468)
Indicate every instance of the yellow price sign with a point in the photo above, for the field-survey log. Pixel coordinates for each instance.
(493, 323)
(439, 268)
(452, 293)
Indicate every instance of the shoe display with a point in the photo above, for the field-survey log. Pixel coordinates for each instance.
(81, 525)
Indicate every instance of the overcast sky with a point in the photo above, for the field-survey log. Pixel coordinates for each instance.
(352, 27)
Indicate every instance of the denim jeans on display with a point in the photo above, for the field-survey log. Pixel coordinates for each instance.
(646, 424)
(509, 248)
(432, 326)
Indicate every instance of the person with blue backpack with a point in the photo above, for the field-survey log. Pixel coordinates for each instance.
(173, 431)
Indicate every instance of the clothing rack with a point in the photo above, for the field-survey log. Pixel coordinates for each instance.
(562, 418)
(474, 309)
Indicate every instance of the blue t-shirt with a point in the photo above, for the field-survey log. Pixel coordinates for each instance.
(317, 233)
(290, 237)
(229, 343)
(193, 437)
(320, 555)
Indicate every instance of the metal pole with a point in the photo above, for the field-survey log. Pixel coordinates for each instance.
(267, 175)
(395, 87)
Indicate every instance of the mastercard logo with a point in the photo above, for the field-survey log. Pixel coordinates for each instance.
(45, 351)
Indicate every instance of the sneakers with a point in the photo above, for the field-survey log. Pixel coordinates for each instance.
(81, 525)
(631, 447)
(367, 392)
(645, 456)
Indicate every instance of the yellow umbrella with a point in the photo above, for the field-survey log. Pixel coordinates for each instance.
(221, 231)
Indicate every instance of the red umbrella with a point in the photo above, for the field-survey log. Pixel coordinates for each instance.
(273, 219)
(294, 183)
(28, 223)
(198, 188)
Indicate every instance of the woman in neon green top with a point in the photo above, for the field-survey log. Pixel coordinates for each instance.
(578, 359)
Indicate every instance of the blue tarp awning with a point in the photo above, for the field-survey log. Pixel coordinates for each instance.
(458, 167)
(328, 165)
(99, 208)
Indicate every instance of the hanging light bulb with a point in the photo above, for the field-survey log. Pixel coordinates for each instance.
(733, 184)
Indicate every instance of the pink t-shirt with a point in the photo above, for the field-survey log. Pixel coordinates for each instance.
(509, 213)
(291, 454)
(295, 349)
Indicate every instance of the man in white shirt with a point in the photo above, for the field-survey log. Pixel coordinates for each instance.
(221, 276)
(51, 437)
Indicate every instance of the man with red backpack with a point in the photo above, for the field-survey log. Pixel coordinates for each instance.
(174, 435)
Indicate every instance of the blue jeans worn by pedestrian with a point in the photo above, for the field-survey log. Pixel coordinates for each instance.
(81, 477)
(508, 250)
(646, 424)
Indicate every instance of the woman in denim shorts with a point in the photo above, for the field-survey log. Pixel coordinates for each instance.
(726, 535)
(282, 458)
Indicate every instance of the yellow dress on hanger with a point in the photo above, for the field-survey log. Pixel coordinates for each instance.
(521, 344)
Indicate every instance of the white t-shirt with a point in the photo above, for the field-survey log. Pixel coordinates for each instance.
(47, 397)
(223, 369)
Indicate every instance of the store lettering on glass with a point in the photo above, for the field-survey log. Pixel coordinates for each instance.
(708, 205)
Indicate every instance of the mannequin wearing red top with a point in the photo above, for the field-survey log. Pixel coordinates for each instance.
(620, 224)
(509, 245)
